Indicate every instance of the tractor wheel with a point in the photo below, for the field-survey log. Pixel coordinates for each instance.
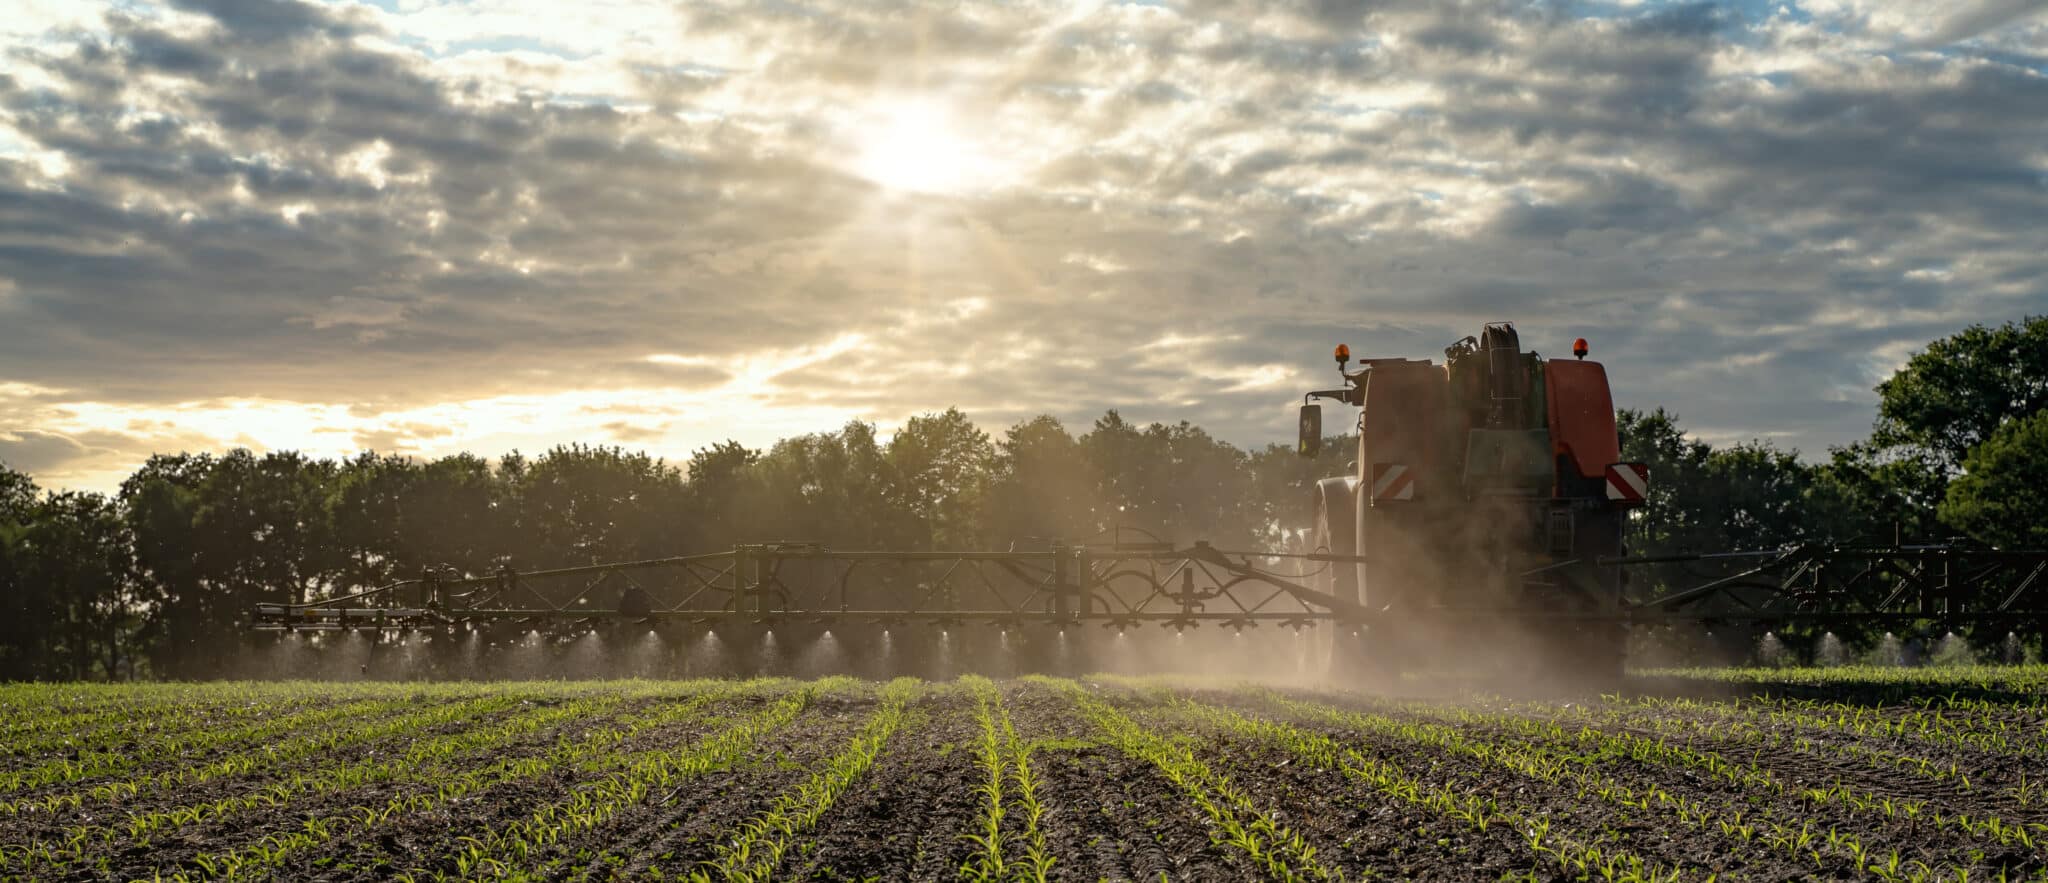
(1333, 537)
(1343, 651)
(1322, 578)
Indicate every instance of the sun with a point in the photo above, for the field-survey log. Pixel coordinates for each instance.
(914, 146)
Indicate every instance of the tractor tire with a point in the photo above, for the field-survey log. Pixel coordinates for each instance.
(1337, 534)
(1341, 651)
(1331, 578)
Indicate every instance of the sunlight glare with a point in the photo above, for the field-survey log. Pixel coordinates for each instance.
(914, 147)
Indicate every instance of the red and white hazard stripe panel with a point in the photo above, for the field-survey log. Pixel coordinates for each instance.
(1628, 482)
(1392, 481)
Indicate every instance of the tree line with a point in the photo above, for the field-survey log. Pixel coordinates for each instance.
(152, 580)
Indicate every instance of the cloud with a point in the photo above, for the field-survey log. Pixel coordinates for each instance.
(32, 451)
(1968, 20)
(271, 21)
(484, 225)
(628, 433)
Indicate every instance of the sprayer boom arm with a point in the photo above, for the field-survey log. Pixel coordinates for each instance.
(1122, 586)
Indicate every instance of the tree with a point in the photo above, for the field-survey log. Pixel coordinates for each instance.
(456, 512)
(1671, 518)
(160, 503)
(17, 493)
(1955, 394)
(393, 516)
(1041, 488)
(1702, 499)
(2002, 496)
(580, 504)
(836, 488)
(1204, 489)
(1176, 482)
(21, 629)
(368, 496)
(721, 496)
(1124, 471)
(1932, 412)
(941, 464)
(1869, 495)
(216, 536)
(78, 560)
(1758, 497)
(263, 527)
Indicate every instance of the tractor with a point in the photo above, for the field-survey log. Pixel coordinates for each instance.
(1486, 493)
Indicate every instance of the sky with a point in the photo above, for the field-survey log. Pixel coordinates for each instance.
(428, 226)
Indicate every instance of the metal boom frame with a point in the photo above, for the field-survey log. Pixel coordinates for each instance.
(1119, 586)
(1128, 584)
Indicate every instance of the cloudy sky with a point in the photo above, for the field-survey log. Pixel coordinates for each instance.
(433, 225)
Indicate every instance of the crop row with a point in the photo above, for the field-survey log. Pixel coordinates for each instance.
(41, 735)
(1751, 774)
(424, 758)
(1748, 773)
(262, 731)
(1277, 850)
(1006, 766)
(1751, 734)
(1575, 856)
(1981, 729)
(512, 850)
(1793, 838)
(318, 742)
(592, 748)
(28, 706)
(2022, 680)
(90, 751)
(29, 710)
(755, 852)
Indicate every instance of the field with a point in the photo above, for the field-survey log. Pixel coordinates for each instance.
(1905, 775)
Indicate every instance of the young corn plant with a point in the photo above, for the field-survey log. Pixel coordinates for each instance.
(987, 864)
(1016, 851)
(1037, 861)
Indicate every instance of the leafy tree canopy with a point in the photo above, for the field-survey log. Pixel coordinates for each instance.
(2002, 496)
(1958, 392)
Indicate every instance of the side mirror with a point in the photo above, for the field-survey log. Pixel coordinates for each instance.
(1311, 441)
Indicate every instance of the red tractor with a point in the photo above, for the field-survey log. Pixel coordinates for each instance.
(1473, 525)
